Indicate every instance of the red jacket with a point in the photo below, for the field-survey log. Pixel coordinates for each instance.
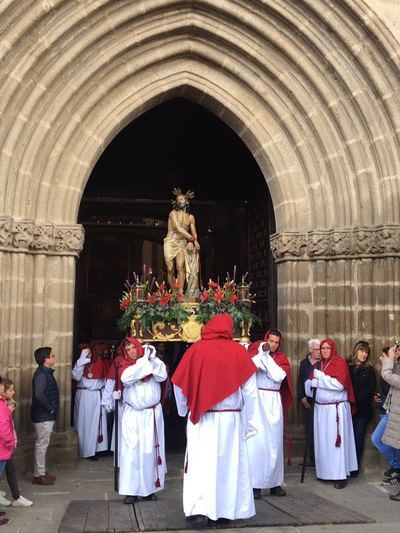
(7, 435)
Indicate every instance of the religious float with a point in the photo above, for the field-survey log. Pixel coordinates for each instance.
(176, 311)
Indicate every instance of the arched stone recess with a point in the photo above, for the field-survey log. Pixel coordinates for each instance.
(310, 86)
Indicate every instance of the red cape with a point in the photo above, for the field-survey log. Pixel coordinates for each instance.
(213, 368)
(281, 360)
(336, 367)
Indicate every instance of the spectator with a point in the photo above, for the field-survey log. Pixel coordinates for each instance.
(392, 455)
(17, 499)
(306, 367)
(363, 378)
(391, 436)
(44, 410)
(7, 441)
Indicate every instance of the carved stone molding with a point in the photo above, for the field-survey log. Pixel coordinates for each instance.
(338, 243)
(26, 236)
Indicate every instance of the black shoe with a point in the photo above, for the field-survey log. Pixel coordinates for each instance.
(340, 484)
(257, 494)
(354, 473)
(149, 498)
(130, 499)
(196, 522)
(4, 521)
(392, 472)
(277, 491)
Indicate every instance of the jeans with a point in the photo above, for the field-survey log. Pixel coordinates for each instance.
(12, 479)
(359, 426)
(2, 465)
(392, 455)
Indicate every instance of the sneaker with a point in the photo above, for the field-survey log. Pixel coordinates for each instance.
(21, 502)
(391, 480)
(4, 502)
(392, 472)
(2, 492)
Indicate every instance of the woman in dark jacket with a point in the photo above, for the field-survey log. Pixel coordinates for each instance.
(363, 377)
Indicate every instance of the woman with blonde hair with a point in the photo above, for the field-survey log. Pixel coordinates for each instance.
(363, 378)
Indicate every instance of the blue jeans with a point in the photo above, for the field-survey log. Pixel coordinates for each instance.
(392, 455)
(2, 465)
(359, 426)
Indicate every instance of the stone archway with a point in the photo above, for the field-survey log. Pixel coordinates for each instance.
(310, 87)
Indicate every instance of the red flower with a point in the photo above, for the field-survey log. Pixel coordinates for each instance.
(219, 295)
(162, 286)
(229, 285)
(204, 296)
(176, 285)
(180, 298)
(233, 298)
(165, 298)
(212, 284)
(150, 299)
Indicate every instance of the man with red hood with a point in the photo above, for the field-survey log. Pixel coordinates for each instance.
(142, 458)
(90, 420)
(334, 444)
(215, 384)
(274, 382)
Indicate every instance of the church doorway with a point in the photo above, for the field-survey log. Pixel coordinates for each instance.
(126, 202)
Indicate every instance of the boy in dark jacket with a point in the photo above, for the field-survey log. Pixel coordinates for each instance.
(44, 410)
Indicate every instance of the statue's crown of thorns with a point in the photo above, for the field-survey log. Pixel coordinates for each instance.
(177, 192)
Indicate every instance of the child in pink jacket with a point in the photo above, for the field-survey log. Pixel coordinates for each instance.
(7, 440)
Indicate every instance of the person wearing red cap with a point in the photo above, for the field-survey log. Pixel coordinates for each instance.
(214, 382)
(274, 381)
(334, 444)
(142, 457)
(90, 420)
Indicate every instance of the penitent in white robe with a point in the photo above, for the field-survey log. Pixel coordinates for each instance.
(90, 420)
(217, 481)
(332, 462)
(266, 448)
(142, 429)
(109, 404)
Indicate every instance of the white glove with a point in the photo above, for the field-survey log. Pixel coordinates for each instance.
(109, 408)
(245, 345)
(116, 395)
(318, 374)
(85, 353)
(84, 358)
(149, 351)
(261, 351)
(314, 383)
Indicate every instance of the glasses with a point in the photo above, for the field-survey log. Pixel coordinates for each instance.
(326, 348)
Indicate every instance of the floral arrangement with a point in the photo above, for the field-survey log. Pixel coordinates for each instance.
(230, 297)
(164, 305)
(161, 305)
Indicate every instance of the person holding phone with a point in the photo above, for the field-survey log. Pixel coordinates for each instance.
(391, 436)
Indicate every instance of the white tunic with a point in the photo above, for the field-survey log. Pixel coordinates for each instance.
(332, 462)
(109, 404)
(217, 481)
(266, 448)
(142, 429)
(90, 420)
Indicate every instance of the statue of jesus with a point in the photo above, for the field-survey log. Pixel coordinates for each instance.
(181, 248)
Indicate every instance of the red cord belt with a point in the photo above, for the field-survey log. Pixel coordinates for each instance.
(338, 437)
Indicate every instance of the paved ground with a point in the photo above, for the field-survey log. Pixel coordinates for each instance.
(88, 480)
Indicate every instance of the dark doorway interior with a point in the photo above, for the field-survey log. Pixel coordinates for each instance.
(126, 203)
